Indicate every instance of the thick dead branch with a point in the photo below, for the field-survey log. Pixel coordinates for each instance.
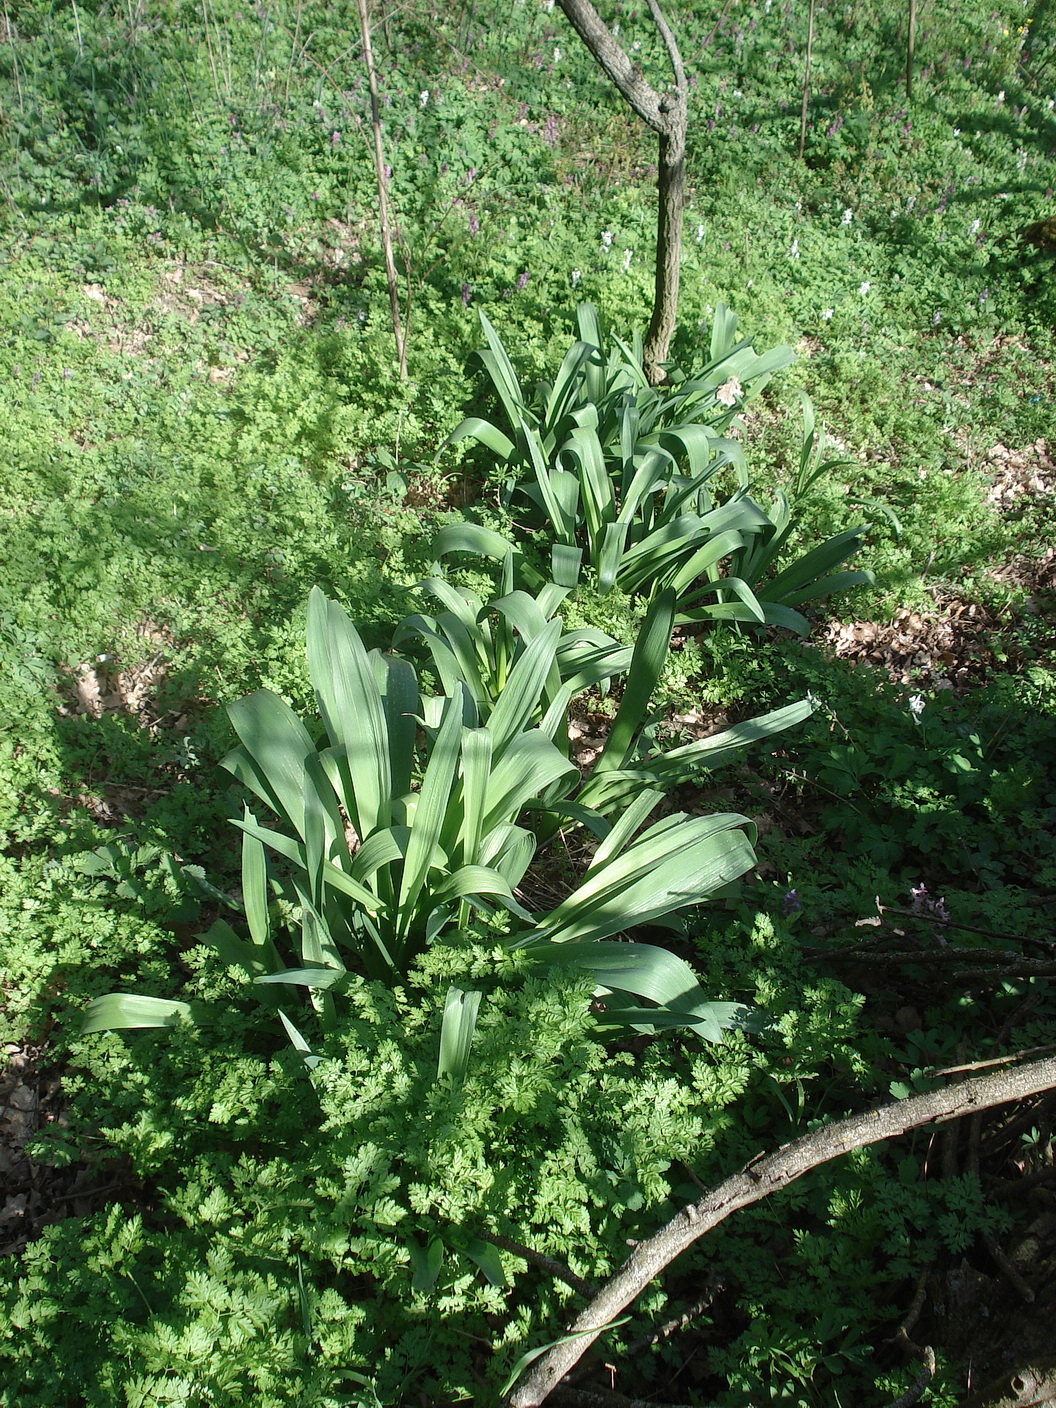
(757, 1181)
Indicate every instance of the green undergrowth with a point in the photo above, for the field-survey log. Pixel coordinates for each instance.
(203, 421)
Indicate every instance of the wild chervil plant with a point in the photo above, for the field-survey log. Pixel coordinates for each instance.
(381, 854)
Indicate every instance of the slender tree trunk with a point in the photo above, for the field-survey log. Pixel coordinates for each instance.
(806, 82)
(383, 190)
(672, 199)
(668, 116)
(911, 44)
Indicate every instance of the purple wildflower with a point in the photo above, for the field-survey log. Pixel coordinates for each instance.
(474, 223)
(522, 279)
(467, 294)
(791, 904)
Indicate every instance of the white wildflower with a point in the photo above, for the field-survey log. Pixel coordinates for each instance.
(827, 315)
(916, 707)
(848, 216)
(700, 234)
(423, 97)
(606, 239)
(728, 392)
(628, 255)
(793, 253)
(1001, 96)
(577, 274)
(863, 288)
(956, 131)
(557, 56)
(975, 227)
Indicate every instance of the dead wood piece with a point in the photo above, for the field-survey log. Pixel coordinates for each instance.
(915, 1389)
(769, 1175)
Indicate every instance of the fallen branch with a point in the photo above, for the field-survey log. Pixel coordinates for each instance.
(757, 1181)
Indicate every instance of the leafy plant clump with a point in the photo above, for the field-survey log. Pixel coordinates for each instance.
(383, 854)
(623, 477)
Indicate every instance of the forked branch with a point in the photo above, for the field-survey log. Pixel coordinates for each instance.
(757, 1181)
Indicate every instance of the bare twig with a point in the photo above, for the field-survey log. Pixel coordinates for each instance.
(907, 1399)
(1008, 1268)
(543, 1262)
(903, 1334)
(383, 190)
(672, 1327)
(806, 82)
(771, 1174)
(597, 1398)
(931, 920)
(911, 44)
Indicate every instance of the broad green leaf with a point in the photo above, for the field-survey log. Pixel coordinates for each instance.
(486, 434)
(430, 814)
(500, 368)
(351, 707)
(678, 764)
(456, 1033)
(275, 743)
(255, 886)
(120, 1010)
(306, 977)
(471, 537)
(487, 1258)
(426, 1263)
(650, 652)
(520, 699)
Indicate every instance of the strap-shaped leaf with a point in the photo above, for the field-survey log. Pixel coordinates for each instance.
(670, 866)
(519, 699)
(430, 814)
(456, 1033)
(486, 434)
(650, 652)
(679, 764)
(322, 978)
(274, 745)
(118, 1011)
(509, 850)
(622, 831)
(567, 383)
(399, 700)
(350, 703)
(477, 749)
(751, 609)
(813, 565)
(254, 959)
(829, 586)
(642, 969)
(501, 371)
(255, 886)
(529, 764)
(704, 560)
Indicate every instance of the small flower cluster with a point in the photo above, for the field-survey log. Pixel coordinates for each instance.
(929, 908)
